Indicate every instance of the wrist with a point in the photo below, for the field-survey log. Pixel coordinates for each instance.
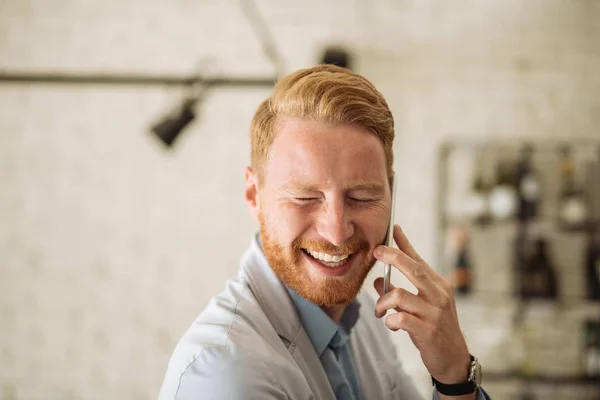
(458, 374)
(463, 390)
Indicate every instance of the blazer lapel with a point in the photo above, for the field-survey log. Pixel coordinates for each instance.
(279, 309)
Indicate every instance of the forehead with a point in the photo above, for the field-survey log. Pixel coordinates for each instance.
(306, 152)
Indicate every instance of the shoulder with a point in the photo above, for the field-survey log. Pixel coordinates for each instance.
(230, 350)
(217, 373)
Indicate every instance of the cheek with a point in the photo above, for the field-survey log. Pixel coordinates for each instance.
(375, 225)
(296, 222)
(287, 222)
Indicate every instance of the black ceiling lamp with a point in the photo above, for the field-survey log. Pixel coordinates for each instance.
(172, 125)
(337, 56)
(169, 128)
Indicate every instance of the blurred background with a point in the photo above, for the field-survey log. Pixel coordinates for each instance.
(124, 136)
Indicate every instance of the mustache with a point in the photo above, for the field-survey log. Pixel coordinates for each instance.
(351, 246)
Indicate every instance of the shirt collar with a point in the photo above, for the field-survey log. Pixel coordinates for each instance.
(320, 328)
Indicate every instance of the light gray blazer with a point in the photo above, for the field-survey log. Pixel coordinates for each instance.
(249, 343)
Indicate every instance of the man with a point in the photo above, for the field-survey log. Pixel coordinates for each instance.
(294, 324)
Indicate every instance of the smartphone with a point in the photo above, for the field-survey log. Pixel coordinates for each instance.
(387, 268)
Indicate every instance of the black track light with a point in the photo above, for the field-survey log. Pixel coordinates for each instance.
(171, 126)
(337, 56)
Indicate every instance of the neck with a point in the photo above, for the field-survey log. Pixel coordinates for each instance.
(335, 312)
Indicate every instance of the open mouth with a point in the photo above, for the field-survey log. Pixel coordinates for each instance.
(329, 260)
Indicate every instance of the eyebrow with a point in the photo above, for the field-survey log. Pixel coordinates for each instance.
(358, 185)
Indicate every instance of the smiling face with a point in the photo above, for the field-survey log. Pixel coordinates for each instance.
(323, 207)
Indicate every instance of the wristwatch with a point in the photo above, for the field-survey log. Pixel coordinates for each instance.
(458, 389)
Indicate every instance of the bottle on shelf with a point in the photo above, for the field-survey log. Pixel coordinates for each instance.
(528, 185)
(503, 196)
(572, 207)
(538, 278)
(462, 262)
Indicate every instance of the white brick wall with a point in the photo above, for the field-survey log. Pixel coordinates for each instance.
(109, 245)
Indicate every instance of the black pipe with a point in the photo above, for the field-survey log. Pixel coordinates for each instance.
(130, 80)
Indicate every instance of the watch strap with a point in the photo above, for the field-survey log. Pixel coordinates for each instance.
(457, 389)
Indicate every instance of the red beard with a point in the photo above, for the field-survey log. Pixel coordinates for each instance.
(327, 291)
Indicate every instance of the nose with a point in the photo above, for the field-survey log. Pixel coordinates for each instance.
(334, 222)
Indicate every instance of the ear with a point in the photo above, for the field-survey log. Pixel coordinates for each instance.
(251, 193)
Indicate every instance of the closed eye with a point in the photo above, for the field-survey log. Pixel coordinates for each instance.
(305, 199)
(361, 200)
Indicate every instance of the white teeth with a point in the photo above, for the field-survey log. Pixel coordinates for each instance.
(328, 257)
(334, 265)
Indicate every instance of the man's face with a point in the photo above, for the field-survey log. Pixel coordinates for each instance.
(323, 207)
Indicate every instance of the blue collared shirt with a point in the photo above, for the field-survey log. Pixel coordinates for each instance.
(332, 345)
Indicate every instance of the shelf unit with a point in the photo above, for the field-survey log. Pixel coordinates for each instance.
(546, 223)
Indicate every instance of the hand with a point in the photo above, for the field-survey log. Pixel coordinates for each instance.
(429, 317)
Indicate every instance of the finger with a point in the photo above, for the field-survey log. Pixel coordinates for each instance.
(417, 273)
(378, 284)
(402, 300)
(406, 322)
(404, 244)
